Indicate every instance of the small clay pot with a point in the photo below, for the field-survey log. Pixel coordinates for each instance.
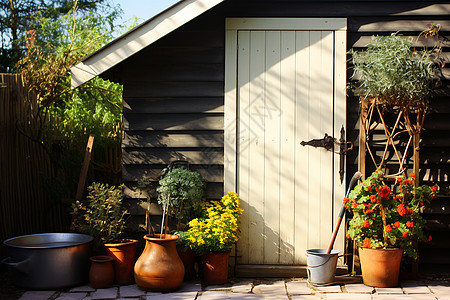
(101, 274)
(123, 253)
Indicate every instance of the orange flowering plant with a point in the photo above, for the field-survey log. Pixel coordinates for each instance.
(385, 217)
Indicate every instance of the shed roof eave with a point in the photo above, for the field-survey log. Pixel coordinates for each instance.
(138, 38)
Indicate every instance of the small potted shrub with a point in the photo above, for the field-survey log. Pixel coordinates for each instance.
(180, 193)
(103, 217)
(214, 234)
(386, 223)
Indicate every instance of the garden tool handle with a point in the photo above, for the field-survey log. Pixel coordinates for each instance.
(353, 181)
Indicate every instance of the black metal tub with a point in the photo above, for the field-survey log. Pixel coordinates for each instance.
(48, 260)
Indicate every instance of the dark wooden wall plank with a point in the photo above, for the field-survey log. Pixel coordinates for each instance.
(173, 105)
(211, 173)
(173, 89)
(195, 139)
(173, 122)
(206, 155)
(341, 8)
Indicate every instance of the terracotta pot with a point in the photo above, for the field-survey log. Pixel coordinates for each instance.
(215, 267)
(380, 267)
(159, 268)
(123, 253)
(101, 273)
(188, 259)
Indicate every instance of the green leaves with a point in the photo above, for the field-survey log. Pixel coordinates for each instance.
(183, 192)
(102, 215)
(393, 72)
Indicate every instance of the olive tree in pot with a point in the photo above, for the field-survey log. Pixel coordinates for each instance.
(180, 193)
(392, 77)
(103, 216)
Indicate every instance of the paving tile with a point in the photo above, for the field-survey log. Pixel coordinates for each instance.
(394, 290)
(37, 295)
(131, 291)
(83, 288)
(404, 297)
(218, 295)
(329, 289)
(105, 293)
(358, 288)
(242, 287)
(193, 286)
(305, 297)
(275, 297)
(347, 296)
(439, 287)
(278, 288)
(172, 296)
(442, 297)
(72, 296)
(298, 288)
(220, 287)
(414, 287)
(416, 290)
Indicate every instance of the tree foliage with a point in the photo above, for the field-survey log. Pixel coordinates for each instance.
(63, 118)
(18, 17)
(94, 108)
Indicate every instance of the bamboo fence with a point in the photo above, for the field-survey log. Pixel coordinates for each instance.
(26, 203)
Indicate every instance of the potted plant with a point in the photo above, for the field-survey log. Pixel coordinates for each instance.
(392, 76)
(180, 193)
(214, 234)
(386, 223)
(187, 254)
(103, 217)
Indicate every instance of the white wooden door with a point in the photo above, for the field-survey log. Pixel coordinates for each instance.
(285, 83)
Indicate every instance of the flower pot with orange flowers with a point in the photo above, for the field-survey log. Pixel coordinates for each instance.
(386, 224)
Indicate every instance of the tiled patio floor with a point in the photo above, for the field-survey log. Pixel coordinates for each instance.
(346, 288)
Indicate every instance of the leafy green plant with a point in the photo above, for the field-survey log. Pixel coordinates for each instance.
(102, 215)
(181, 192)
(385, 217)
(183, 240)
(391, 71)
(217, 229)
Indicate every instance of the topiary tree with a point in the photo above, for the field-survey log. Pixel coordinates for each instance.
(392, 76)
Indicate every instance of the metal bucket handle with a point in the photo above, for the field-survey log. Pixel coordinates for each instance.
(21, 266)
(321, 263)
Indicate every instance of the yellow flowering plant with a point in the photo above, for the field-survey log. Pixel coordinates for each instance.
(217, 229)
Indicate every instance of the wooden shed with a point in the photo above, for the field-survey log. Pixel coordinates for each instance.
(235, 87)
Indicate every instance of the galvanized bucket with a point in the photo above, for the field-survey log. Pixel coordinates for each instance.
(321, 266)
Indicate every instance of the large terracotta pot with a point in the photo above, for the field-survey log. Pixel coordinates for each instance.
(215, 267)
(159, 268)
(101, 273)
(123, 253)
(380, 267)
(188, 258)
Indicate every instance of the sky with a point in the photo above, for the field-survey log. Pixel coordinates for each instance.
(142, 9)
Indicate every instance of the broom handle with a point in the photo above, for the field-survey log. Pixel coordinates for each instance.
(353, 181)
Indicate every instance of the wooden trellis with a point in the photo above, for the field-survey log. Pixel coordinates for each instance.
(395, 124)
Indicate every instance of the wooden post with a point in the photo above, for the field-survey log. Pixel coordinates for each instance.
(363, 137)
(84, 169)
(416, 162)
